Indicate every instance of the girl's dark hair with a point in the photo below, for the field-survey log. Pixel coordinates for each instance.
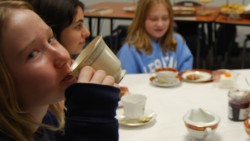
(58, 14)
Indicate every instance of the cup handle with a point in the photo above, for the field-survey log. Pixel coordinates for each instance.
(208, 136)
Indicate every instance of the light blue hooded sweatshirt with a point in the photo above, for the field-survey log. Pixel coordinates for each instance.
(134, 62)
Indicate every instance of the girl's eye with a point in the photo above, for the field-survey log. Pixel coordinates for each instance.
(79, 26)
(165, 18)
(32, 54)
(153, 19)
(50, 40)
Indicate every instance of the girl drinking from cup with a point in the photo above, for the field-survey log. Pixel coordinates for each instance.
(34, 78)
(151, 41)
(66, 18)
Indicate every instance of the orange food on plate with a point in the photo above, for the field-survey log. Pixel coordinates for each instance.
(228, 74)
(193, 77)
(123, 91)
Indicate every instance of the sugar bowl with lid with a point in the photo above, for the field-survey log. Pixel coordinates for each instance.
(201, 124)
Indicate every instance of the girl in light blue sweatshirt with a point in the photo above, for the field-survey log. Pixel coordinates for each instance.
(151, 42)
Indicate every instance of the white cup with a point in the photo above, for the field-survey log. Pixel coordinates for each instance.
(134, 105)
(165, 75)
(98, 55)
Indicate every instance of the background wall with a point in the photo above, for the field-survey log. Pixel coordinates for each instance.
(105, 28)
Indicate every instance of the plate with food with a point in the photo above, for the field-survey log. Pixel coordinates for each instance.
(196, 75)
(232, 9)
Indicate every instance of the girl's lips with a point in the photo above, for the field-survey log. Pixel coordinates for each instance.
(68, 78)
(159, 30)
(82, 43)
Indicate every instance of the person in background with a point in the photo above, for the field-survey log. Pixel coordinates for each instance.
(66, 18)
(151, 42)
(34, 78)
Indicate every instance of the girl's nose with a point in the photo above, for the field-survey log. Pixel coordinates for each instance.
(61, 56)
(85, 32)
(160, 23)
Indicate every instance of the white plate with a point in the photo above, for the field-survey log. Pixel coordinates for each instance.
(156, 82)
(147, 113)
(120, 102)
(204, 75)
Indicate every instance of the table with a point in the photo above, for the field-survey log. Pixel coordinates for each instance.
(119, 13)
(223, 19)
(171, 104)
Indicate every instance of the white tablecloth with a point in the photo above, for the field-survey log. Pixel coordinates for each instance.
(170, 105)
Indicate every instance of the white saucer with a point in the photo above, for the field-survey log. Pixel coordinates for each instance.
(156, 82)
(147, 113)
(120, 102)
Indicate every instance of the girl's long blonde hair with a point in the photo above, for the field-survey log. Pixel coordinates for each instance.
(138, 35)
(14, 124)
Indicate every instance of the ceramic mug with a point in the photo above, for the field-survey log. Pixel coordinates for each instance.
(134, 105)
(98, 55)
(165, 75)
(201, 124)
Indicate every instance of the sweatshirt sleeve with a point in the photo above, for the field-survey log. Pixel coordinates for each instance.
(91, 111)
(129, 59)
(185, 57)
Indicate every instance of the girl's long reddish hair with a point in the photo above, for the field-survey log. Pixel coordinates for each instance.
(14, 124)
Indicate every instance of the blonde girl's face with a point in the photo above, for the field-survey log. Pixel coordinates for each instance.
(38, 64)
(74, 36)
(157, 21)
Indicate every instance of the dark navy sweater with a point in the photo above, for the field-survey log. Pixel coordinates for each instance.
(90, 115)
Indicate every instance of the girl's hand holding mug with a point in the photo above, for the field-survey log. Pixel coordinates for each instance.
(89, 75)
